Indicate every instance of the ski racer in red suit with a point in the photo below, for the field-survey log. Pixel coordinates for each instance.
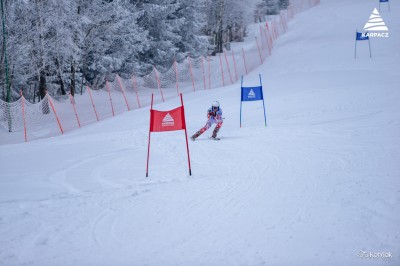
(214, 115)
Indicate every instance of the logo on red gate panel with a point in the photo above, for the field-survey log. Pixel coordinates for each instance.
(168, 121)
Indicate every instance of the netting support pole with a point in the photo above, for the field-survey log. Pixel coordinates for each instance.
(244, 60)
(267, 40)
(158, 83)
(261, 37)
(23, 115)
(55, 113)
(109, 95)
(234, 65)
(275, 31)
(285, 21)
(123, 92)
(209, 72)
(91, 99)
(204, 76)
(222, 71)
(72, 99)
(191, 73)
(176, 77)
(282, 22)
(270, 39)
(229, 69)
(135, 88)
(259, 52)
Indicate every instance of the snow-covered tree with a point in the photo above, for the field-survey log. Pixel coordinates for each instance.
(158, 18)
(283, 4)
(227, 20)
(192, 17)
(53, 43)
(269, 7)
(112, 39)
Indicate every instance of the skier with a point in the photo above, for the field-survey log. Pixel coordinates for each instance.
(214, 115)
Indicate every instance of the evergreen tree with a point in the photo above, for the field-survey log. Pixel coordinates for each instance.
(192, 22)
(52, 43)
(159, 19)
(283, 4)
(112, 40)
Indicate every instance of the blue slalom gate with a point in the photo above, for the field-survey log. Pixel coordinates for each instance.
(249, 94)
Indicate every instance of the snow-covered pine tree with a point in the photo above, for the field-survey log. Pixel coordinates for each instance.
(159, 19)
(64, 38)
(44, 36)
(191, 14)
(266, 7)
(17, 26)
(272, 7)
(55, 42)
(236, 19)
(283, 4)
(227, 21)
(112, 40)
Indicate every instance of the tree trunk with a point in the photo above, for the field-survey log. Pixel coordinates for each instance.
(2, 70)
(43, 92)
(72, 79)
(220, 26)
(42, 85)
(62, 87)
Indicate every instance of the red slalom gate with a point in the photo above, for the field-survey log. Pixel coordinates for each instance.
(172, 120)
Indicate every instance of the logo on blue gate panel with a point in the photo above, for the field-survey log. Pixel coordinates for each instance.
(251, 94)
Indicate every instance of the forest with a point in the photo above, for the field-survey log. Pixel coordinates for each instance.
(58, 46)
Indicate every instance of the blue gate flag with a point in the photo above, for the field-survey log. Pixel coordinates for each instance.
(360, 36)
(252, 94)
(249, 94)
(384, 1)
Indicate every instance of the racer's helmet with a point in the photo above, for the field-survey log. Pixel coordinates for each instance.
(215, 105)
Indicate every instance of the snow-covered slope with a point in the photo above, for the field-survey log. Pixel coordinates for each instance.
(319, 186)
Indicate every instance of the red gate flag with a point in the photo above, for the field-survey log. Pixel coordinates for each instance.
(167, 120)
